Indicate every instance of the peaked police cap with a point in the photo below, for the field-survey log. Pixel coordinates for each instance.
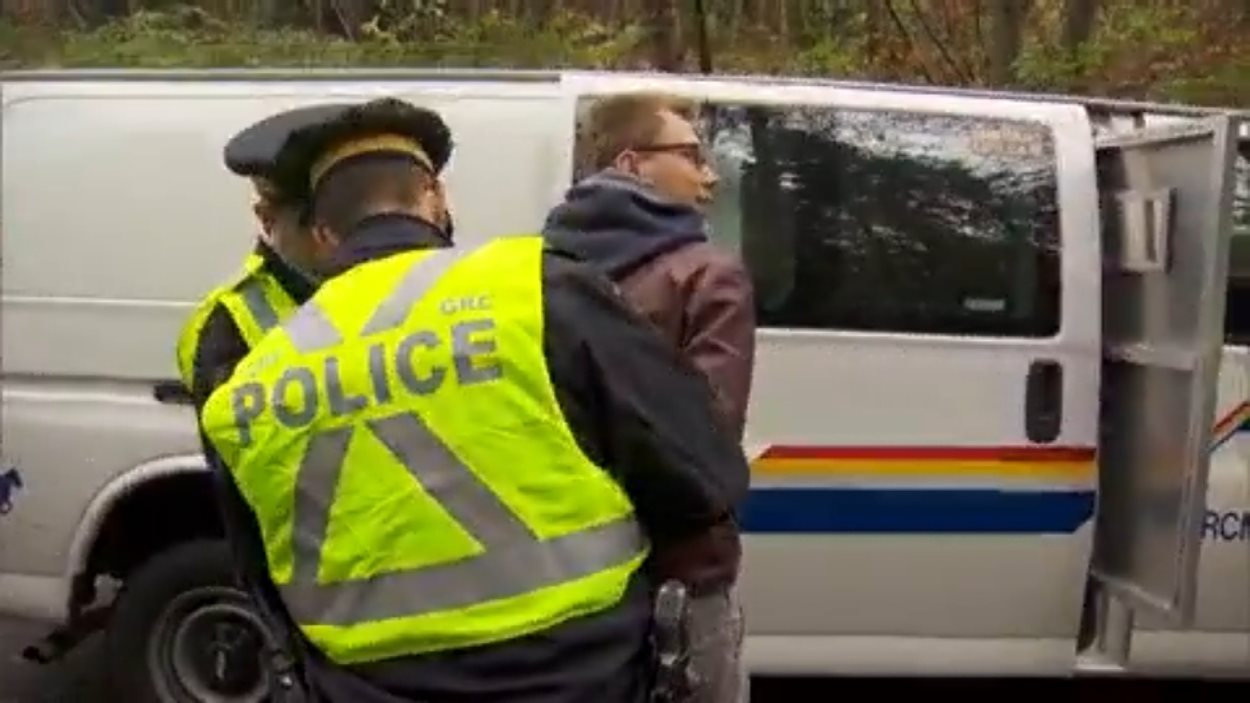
(253, 151)
(385, 126)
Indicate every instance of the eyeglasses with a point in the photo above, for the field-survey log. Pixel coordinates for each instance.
(692, 152)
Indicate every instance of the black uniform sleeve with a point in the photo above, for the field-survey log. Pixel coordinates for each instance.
(641, 412)
(221, 349)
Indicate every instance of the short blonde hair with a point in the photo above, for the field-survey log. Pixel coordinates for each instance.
(616, 123)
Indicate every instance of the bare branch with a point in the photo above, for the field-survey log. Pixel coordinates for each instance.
(937, 43)
(345, 21)
(898, 23)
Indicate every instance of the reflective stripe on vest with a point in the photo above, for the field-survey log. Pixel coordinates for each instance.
(258, 305)
(514, 560)
(255, 301)
(414, 480)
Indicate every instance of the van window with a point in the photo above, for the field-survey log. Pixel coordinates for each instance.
(890, 221)
(1237, 309)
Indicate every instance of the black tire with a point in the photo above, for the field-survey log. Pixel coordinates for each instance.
(182, 632)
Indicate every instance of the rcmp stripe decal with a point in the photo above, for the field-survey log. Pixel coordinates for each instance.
(933, 490)
(890, 511)
(1237, 420)
(991, 464)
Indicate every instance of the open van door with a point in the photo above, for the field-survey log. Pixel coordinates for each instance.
(1166, 204)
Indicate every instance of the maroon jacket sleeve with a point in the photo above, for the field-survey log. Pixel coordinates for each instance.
(719, 331)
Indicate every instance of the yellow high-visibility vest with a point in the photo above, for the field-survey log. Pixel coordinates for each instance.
(255, 300)
(415, 483)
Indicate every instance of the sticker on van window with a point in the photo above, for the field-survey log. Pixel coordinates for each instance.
(985, 304)
(10, 484)
(1005, 141)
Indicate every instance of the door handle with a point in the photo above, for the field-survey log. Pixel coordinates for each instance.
(1043, 401)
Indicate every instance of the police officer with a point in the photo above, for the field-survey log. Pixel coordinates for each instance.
(277, 276)
(459, 457)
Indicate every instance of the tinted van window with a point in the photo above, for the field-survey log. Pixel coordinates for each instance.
(886, 221)
(1237, 311)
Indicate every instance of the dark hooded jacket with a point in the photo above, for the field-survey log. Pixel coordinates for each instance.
(700, 299)
(657, 251)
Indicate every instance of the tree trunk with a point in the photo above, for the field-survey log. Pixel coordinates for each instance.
(351, 14)
(874, 25)
(736, 10)
(47, 12)
(268, 13)
(1238, 10)
(1006, 33)
(705, 40)
(114, 8)
(1078, 23)
(753, 12)
(666, 51)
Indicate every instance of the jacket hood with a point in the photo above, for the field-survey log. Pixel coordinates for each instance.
(617, 223)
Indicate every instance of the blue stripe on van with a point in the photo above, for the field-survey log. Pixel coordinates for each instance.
(942, 511)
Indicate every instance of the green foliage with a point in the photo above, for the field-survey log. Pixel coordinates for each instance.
(417, 34)
(1146, 50)
(1228, 84)
(829, 57)
(1153, 49)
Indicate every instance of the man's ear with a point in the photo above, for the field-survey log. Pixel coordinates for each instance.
(323, 237)
(434, 205)
(628, 162)
(264, 214)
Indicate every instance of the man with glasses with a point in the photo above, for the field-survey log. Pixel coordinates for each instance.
(639, 217)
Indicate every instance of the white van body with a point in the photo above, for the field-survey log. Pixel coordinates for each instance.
(904, 520)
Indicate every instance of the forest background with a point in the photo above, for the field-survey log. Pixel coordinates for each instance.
(1195, 51)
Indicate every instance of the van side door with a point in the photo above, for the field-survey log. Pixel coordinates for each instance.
(923, 420)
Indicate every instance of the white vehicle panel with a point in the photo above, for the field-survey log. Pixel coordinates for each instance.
(902, 520)
(183, 230)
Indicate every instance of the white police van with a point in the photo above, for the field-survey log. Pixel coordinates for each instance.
(994, 425)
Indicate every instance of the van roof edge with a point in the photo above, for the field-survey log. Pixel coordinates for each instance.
(556, 75)
(281, 74)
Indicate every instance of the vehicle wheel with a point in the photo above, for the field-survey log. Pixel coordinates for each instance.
(182, 632)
